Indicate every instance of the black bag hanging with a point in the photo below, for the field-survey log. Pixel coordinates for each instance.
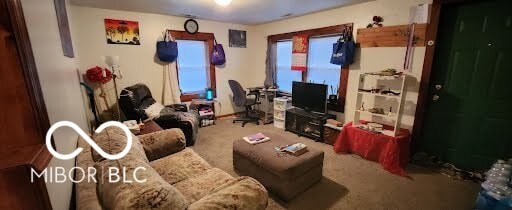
(167, 51)
(343, 50)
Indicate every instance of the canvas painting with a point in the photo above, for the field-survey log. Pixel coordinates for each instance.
(237, 38)
(122, 32)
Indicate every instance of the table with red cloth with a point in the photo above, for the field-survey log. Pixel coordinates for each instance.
(391, 152)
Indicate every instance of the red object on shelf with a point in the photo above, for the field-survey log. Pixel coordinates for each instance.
(96, 75)
(391, 152)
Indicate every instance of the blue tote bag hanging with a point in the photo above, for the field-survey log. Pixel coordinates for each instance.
(167, 50)
(343, 50)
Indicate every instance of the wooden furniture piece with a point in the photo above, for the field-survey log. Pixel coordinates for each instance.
(331, 133)
(150, 127)
(281, 104)
(395, 102)
(390, 36)
(305, 123)
(391, 152)
(198, 105)
(24, 119)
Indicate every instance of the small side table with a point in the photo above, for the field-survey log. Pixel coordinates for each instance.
(198, 104)
(150, 127)
(331, 133)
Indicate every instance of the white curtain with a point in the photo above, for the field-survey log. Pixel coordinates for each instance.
(171, 91)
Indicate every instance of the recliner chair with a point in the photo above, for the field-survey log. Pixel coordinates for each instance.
(240, 98)
(135, 99)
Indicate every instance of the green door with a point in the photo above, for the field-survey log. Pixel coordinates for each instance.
(469, 114)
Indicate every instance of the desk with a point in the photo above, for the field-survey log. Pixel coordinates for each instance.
(269, 95)
(391, 152)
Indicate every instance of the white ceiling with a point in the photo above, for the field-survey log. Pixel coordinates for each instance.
(239, 11)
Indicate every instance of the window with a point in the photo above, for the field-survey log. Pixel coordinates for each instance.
(320, 70)
(285, 76)
(195, 73)
(192, 66)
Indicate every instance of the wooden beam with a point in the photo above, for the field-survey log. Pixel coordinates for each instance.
(390, 36)
(330, 30)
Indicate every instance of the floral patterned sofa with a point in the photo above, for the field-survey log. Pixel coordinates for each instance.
(176, 177)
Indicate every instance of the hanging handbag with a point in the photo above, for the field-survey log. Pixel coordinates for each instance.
(343, 50)
(167, 50)
(217, 57)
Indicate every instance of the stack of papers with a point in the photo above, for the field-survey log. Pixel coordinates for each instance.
(293, 149)
(256, 138)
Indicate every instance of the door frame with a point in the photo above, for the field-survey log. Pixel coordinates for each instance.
(423, 93)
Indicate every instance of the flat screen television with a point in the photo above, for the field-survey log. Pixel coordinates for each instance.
(309, 96)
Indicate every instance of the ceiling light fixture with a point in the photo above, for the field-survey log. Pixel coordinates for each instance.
(223, 2)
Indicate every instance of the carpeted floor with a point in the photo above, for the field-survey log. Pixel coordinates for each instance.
(349, 182)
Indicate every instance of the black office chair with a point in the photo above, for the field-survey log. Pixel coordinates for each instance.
(240, 98)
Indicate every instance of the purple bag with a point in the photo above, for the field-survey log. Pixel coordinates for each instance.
(217, 57)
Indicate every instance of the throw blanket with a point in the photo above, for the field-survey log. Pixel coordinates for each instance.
(191, 117)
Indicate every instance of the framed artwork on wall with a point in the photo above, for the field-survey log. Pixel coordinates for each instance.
(65, 34)
(237, 38)
(122, 32)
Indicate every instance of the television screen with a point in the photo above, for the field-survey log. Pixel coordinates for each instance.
(309, 96)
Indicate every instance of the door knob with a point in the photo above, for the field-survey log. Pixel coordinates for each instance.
(438, 87)
(435, 98)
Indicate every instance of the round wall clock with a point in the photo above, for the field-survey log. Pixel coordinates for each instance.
(191, 26)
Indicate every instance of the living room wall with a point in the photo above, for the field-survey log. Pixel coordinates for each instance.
(60, 86)
(137, 62)
(394, 12)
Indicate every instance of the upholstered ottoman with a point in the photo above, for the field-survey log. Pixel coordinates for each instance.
(284, 175)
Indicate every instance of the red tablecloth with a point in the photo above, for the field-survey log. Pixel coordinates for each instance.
(391, 152)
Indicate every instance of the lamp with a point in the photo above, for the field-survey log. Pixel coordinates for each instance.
(223, 2)
(209, 94)
(113, 63)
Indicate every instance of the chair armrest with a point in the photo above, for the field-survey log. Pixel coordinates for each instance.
(178, 107)
(163, 143)
(241, 193)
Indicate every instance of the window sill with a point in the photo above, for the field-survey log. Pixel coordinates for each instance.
(186, 97)
(189, 96)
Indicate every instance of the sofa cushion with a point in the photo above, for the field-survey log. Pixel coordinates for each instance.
(163, 143)
(240, 193)
(86, 196)
(113, 140)
(180, 166)
(197, 187)
(154, 193)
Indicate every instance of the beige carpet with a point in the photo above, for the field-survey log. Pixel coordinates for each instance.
(349, 182)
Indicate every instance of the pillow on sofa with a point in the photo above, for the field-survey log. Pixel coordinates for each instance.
(154, 110)
(154, 193)
(163, 143)
(113, 140)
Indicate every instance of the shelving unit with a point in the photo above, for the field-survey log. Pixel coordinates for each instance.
(378, 94)
(281, 104)
(395, 116)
